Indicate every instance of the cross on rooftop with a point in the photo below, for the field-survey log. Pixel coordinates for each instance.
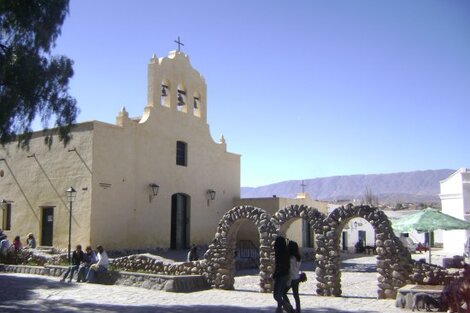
(179, 44)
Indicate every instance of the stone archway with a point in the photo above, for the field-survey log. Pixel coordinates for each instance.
(394, 263)
(220, 261)
(311, 215)
(314, 218)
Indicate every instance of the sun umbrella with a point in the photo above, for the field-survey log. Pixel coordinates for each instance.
(428, 220)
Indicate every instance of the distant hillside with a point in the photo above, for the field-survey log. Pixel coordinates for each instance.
(418, 186)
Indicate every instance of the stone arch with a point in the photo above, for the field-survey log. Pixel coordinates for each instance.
(219, 257)
(394, 264)
(284, 217)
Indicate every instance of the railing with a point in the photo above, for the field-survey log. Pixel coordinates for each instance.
(248, 250)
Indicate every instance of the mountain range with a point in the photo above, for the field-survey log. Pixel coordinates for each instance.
(406, 187)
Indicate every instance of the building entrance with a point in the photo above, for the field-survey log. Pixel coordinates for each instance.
(180, 221)
(47, 226)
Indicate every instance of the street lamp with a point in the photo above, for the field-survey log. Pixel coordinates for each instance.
(71, 193)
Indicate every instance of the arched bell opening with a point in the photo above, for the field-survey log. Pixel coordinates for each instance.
(165, 93)
(181, 99)
(197, 102)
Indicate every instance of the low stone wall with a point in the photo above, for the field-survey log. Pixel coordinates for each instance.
(154, 265)
(428, 274)
(170, 283)
(156, 273)
(33, 256)
(48, 270)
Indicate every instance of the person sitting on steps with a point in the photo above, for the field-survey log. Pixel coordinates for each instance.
(31, 241)
(77, 258)
(89, 258)
(100, 266)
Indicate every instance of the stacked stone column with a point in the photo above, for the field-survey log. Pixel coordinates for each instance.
(394, 264)
(328, 260)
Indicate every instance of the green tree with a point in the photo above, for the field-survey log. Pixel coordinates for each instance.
(33, 83)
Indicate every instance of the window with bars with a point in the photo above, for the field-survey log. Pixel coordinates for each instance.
(181, 153)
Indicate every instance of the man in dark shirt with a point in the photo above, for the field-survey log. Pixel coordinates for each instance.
(77, 258)
(281, 275)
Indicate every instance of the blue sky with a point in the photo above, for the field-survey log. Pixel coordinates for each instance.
(301, 89)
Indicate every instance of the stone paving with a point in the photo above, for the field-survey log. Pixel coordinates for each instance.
(30, 293)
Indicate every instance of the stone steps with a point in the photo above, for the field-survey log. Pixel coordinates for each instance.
(45, 249)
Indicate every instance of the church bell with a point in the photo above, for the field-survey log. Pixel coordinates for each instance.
(180, 99)
(164, 94)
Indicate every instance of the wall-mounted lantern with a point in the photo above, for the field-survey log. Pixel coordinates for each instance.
(153, 189)
(210, 195)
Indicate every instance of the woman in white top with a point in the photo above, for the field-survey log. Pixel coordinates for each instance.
(294, 271)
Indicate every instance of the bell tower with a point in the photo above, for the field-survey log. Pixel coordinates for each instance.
(173, 84)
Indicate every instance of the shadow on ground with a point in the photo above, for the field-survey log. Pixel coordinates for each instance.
(73, 306)
(17, 294)
(9, 290)
(358, 267)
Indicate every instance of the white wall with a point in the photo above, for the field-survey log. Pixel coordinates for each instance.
(455, 201)
(352, 230)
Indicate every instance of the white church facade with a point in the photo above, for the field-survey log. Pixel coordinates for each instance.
(455, 201)
(159, 180)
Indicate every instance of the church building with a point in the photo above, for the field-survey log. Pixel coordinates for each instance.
(158, 180)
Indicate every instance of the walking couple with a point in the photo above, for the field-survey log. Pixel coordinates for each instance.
(287, 274)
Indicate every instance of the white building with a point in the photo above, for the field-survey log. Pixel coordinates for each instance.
(357, 229)
(455, 201)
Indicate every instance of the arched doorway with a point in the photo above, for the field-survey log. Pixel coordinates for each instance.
(306, 216)
(180, 221)
(390, 251)
(358, 261)
(248, 245)
(220, 255)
